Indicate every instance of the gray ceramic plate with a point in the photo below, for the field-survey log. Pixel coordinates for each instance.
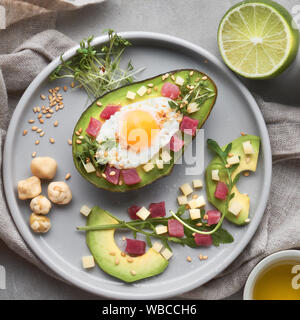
(62, 248)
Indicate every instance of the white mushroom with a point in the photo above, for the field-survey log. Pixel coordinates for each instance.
(59, 192)
(39, 224)
(29, 188)
(40, 205)
(44, 167)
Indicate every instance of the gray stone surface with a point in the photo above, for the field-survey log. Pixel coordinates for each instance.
(178, 18)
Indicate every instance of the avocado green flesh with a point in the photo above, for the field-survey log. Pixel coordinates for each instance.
(117, 97)
(102, 244)
(237, 149)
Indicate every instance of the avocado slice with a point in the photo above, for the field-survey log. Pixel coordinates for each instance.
(249, 165)
(117, 97)
(102, 243)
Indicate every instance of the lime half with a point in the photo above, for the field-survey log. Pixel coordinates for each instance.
(257, 39)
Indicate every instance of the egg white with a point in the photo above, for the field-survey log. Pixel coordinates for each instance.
(128, 158)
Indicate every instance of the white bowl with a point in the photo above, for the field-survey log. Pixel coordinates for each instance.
(286, 255)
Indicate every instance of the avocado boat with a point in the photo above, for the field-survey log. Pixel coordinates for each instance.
(102, 244)
(120, 97)
(245, 164)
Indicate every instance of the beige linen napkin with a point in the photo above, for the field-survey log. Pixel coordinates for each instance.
(280, 226)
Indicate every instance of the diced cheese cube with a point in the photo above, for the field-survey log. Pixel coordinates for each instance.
(248, 148)
(85, 210)
(160, 164)
(160, 229)
(89, 167)
(235, 207)
(195, 214)
(233, 160)
(179, 81)
(142, 90)
(130, 95)
(197, 183)
(157, 246)
(215, 175)
(186, 189)
(192, 107)
(182, 200)
(88, 262)
(148, 167)
(166, 253)
(165, 155)
(143, 213)
(197, 203)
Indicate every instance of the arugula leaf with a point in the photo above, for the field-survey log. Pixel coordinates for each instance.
(221, 236)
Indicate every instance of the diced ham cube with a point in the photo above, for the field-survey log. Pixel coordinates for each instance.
(204, 240)
(176, 143)
(93, 127)
(112, 174)
(221, 190)
(175, 228)
(157, 209)
(170, 90)
(189, 125)
(213, 217)
(130, 176)
(108, 111)
(132, 212)
(135, 247)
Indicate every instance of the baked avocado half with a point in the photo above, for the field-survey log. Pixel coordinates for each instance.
(246, 164)
(120, 97)
(102, 244)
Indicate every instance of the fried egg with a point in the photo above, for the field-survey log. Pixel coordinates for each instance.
(140, 130)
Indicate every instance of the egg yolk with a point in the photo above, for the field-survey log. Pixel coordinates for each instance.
(139, 129)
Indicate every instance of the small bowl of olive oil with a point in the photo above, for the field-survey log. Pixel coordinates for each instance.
(277, 277)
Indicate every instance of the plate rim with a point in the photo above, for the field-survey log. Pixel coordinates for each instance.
(25, 233)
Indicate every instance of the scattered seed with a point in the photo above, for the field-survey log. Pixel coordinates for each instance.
(230, 155)
(78, 141)
(112, 173)
(199, 224)
(40, 116)
(200, 256)
(120, 182)
(150, 85)
(37, 142)
(80, 137)
(51, 111)
(149, 91)
(246, 174)
(227, 165)
(173, 77)
(69, 142)
(204, 78)
(43, 97)
(55, 123)
(204, 257)
(68, 176)
(34, 128)
(24, 132)
(117, 261)
(39, 130)
(80, 130)
(189, 259)
(99, 104)
(56, 108)
(77, 133)
(103, 174)
(65, 88)
(112, 253)
(72, 84)
(133, 272)
(243, 133)
(195, 196)
(51, 140)
(191, 73)
(42, 134)
(31, 121)
(123, 238)
(129, 260)
(48, 115)
(123, 254)
(33, 154)
(155, 88)
(41, 120)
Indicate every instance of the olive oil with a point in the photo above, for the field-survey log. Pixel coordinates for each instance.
(280, 281)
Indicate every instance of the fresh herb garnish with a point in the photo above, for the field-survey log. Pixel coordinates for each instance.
(147, 228)
(195, 92)
(98, 70)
